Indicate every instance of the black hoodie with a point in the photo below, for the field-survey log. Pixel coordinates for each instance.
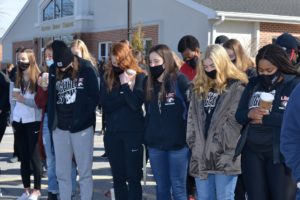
(123, 106)
(4, 92)
(87, 97)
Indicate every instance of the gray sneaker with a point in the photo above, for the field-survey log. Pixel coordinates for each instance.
(13, 159)
(24, 196)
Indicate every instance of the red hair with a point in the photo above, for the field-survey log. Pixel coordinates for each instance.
(125, 60)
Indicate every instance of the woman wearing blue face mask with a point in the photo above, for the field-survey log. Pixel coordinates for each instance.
(41, 100)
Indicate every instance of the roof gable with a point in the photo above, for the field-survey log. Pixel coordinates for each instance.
(271, 7)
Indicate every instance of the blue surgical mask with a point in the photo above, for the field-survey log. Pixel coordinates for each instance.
(49, 62)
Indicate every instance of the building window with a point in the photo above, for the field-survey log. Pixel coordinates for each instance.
(67, 8)
(58, 8)
(104, 51)
(48, 12)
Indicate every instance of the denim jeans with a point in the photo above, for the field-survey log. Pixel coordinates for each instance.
(170, 172)
(51, 170)
(52, 180)
(216, 186)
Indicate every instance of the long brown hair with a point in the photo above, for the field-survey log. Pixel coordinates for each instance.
(170, 74)
(243, 61)
(33, 71)
(125, 60)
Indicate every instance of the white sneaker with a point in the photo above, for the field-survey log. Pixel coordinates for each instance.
(24, 196)
(34, 197)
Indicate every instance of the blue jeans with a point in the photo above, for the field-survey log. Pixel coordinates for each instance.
(170, 171)
(51, 170)
(216, 186)
(52, 180)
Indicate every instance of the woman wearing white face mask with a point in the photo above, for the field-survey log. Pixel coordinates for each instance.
(26, 121)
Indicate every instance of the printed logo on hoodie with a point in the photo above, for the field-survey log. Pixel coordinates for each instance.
(66, 91)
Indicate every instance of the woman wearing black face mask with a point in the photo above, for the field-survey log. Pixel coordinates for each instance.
(264, 172)
(26, 122)
(121, 98)
(212, 131)
(166, 111)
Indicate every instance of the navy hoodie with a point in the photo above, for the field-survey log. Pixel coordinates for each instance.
(166, 121)
(290, 134)
(266, 136)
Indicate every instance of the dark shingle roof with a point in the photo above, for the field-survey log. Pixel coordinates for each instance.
(274, 7)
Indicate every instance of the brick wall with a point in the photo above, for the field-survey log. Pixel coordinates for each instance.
(92, 39)
(268, 31)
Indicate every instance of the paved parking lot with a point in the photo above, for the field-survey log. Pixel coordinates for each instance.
(11, 184)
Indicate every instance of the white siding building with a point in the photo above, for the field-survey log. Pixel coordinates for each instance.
(101, 22)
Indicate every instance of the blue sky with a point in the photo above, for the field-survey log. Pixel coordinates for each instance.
(9, 9)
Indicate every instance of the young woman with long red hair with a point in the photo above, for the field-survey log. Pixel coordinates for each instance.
(122, 95)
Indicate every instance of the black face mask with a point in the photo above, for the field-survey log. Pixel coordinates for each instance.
(192, 62)
(156, 71)
(270, 80)
(212, 74)
(117, 70)
(23, 66)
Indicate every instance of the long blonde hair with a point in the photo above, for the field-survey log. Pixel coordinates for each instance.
(84, 50)
(33, 71)
(226, 71)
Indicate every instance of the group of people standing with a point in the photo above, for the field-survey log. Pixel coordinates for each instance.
(208, 132)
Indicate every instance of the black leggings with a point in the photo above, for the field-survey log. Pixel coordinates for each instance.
(27, 146)
(240, 190)
(265, 180)
(125, 155)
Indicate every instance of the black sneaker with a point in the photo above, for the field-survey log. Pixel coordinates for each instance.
(52, 196)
